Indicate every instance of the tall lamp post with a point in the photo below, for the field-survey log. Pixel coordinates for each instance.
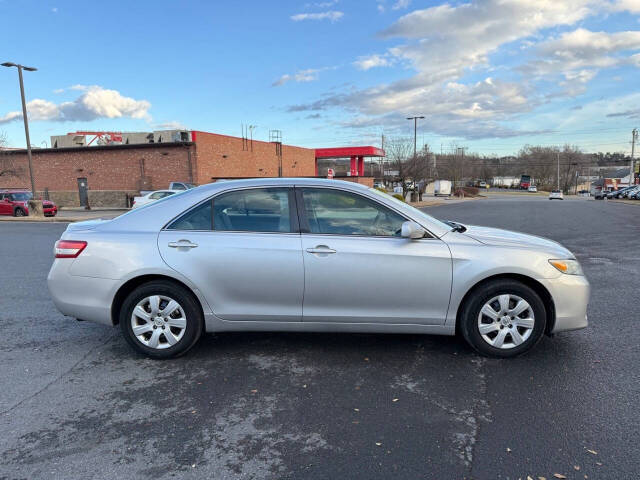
(24, 116)
(415, 132)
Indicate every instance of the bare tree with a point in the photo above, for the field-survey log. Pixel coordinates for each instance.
(8, 167)
(398, 150)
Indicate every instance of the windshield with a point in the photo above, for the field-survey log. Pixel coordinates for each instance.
(21, 197)
(414, 211)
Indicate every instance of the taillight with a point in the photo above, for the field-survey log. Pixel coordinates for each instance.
(69, 248)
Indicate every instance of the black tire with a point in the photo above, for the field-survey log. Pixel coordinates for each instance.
(19, 212)
(192, 311)
(484, 293)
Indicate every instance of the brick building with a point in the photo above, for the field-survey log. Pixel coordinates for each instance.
(112, 172)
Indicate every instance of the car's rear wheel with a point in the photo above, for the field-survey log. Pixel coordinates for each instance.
(161, 319)
(503, 318)
(19, 212)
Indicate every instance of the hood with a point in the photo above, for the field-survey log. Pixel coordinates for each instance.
(499, 237)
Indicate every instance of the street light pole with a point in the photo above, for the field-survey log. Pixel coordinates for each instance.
(558, 157)
(415, 133)
(632, 171)
(24, 117)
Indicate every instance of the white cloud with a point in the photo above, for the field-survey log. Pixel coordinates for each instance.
(579, 55)
(331, 15)
(10, 117)
(371, 61)
(282, 80)
(327, 4)
(401, 4)
(172, 125)
(307, 75)
(95, 102)
(442, 44)
(632, 6)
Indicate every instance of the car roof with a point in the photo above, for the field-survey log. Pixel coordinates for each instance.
(285, 181)
(156, 214)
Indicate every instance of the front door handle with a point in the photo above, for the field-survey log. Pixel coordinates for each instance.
(183, 244)
(321, 250)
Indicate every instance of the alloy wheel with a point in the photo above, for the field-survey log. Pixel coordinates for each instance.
(506, 321)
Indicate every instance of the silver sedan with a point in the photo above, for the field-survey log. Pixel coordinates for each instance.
(311, 255)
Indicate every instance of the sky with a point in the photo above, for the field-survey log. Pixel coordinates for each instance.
(490, 75)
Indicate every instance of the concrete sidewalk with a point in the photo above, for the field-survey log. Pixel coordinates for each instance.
(70, 215)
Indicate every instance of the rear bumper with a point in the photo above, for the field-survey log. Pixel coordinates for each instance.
(570, 295)
(86, 298)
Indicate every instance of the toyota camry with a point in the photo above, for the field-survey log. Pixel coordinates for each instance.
(311, 255)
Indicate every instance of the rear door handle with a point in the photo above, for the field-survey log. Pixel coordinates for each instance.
(183, 244)
(321, 249)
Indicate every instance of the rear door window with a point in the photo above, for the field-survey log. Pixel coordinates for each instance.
(253, 210)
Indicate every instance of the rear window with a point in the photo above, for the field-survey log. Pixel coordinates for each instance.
(198, 218)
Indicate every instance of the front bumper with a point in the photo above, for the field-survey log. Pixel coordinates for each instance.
(570, 295)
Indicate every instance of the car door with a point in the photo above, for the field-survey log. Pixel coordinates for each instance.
(242, 249)
(5, 205)
(359, 270)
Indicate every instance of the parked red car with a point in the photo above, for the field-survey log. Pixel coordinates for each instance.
(15, 202)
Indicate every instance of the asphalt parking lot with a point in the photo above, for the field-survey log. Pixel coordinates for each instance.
(77, 402)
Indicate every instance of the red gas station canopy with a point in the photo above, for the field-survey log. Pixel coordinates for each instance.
(342, 152)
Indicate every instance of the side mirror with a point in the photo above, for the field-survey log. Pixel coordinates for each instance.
(412, 230)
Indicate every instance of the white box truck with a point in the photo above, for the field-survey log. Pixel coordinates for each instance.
(442, 187)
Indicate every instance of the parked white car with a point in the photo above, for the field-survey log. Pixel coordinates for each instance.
(533, 188)
(556, 194)
(181, 186)
(151, 197)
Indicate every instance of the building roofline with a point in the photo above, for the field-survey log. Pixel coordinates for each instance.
(197, 132)
(99, 147)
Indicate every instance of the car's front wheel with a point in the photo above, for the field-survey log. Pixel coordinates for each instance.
(19, 212)
(161, 319)
(503, 318)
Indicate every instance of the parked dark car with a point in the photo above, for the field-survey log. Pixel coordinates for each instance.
(618, 193)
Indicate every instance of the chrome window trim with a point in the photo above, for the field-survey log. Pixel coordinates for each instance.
(211, 199)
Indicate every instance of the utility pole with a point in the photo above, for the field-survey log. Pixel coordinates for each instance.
(251, 128)
(415, 133)
(632, 173)
(461, 151)
(558, 157)
(26, 120)
(382, 158)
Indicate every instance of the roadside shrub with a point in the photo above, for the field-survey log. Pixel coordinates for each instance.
(466, 192)
(399, 197)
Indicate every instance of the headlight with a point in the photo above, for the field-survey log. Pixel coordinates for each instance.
(570, 267)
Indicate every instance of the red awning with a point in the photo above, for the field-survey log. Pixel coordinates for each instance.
(345, 152)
